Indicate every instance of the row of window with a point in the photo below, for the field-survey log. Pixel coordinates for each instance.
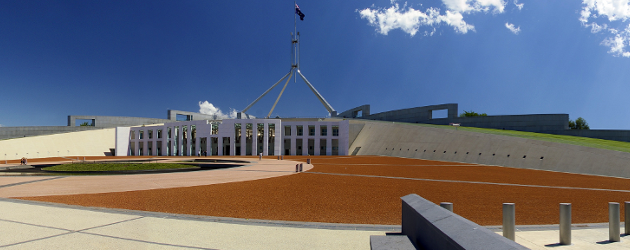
(323, 130)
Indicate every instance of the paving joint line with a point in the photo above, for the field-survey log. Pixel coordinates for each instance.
(207, 218)
(36, 225)
(474, 182)
(144, 241)
(28, 182)
(38, 239)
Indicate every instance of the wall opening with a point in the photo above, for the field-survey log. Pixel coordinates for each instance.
(179, 117)
(84, 122)
(439, 114)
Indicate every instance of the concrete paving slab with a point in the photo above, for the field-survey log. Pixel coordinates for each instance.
(588, 236)
(18, 232)
(53, 227)
(88, 241)
(56, 217)
(235, 236)
(20, 179)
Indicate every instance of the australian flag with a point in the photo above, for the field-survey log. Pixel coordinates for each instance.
(298, 12)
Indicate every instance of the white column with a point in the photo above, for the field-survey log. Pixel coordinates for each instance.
(198, 146)
(278, 138)
(255, 138)
(328, 145)
(243, 139)
(220, 145)
(266, 139)
(165, 141)
(293, 141)
(318, 134)
(305, 142)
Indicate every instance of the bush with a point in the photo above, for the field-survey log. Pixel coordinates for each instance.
(471, 114)
(579, 123)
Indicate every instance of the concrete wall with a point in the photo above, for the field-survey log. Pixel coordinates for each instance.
(19, 132)
(83, 143)
(352, 113)
(531, 123)
(615, 135)
(193, 116)
(412, 115)
(114, 121)
(546, 123)
(415, 141)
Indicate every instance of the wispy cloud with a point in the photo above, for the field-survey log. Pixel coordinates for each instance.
(610, 16)
(512, 28)
(207, 108)
(410, 20)
(518, 5)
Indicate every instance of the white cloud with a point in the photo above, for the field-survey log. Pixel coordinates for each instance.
(394, 17)
(617, 45)
(207, 108)
(615, 13)
(410, 20)
(595, 28)
(612, 9)
(518, 5)
(466, 6)
(512, 28)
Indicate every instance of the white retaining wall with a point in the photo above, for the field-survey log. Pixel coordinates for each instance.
(413, 141)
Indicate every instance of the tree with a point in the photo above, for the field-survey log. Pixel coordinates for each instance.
(471, 114)
(579, 123)
(85, 124)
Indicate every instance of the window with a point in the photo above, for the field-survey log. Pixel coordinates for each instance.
(287, 130)
(141, 134)
(311, 130)
(133, 135)
(215, 128)
(159, 134)
(323, 130)
(335, 130)
(150, 134)
(299, 130)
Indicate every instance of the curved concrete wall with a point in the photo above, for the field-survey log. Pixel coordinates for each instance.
(414, 141)
(83, 143)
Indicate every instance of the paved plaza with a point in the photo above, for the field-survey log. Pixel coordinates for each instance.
(30, 224)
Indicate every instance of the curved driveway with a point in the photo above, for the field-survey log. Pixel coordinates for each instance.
(22, 186)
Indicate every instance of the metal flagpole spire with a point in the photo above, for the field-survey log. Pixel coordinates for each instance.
(295, 69)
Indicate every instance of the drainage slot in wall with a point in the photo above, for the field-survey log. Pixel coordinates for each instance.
(508, 155)
(524, 156)
(492, 154)
(542, 157)
(479, 153)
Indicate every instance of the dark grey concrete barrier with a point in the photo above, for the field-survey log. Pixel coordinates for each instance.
(430, 226)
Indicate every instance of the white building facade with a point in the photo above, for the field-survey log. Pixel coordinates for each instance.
(236, 137)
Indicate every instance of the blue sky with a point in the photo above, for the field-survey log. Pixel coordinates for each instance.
(140, 58)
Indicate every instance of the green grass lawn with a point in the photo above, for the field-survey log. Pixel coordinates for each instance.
(574, 140)
(116, 166)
